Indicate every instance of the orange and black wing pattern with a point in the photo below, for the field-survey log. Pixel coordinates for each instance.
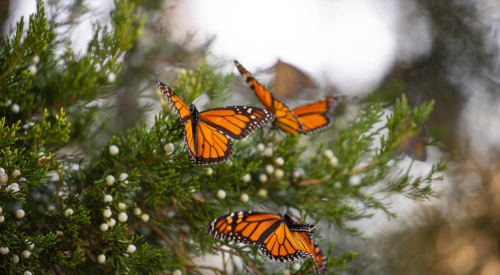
(179, 106)
(245, 227)
(269, 231)
(285, 119)
(317, 115)
(284, 245)
(319, 259)
(315, 250)
(207, 145)
(210, 144)
(236, 121)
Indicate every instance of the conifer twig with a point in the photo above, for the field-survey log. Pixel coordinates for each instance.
(166, 240)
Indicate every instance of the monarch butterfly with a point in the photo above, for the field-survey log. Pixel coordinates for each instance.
(305, 119)
(278, 236)
(290, 80)
(414, 146)
(205, 132)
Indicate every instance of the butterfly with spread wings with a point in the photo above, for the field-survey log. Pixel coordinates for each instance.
(205, 133)
(278, 236)
(305, 119)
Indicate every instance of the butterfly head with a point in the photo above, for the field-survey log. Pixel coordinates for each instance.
(288, 219)
(194, 111)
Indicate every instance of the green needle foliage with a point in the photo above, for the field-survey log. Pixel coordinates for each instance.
(136, 205)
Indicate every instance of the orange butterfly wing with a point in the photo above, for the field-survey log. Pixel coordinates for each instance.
(189, 139)
(236, 121)
(179, 106)
(316, 116)
(210, 146)
(315, 250)
(285, 120)
(210, 143)
(284, 245)
(319, 259)
(246, 227)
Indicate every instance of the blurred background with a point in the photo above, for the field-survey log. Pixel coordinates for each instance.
(444, 50)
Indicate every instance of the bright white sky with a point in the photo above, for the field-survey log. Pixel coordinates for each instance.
(350, 43)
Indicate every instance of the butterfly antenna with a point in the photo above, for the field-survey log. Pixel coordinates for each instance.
(196, 100)
(282, 209)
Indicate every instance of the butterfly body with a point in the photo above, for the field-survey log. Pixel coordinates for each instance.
(206, 133)
(305, 119)
(278, 236)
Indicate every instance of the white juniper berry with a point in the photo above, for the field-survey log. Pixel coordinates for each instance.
(68, 212)
(16, 173)
(113, 150)
(269, 169)
(104, 227)
(107, 213)
(111, 77)
(246, 178)
(101, 258)
(4, 250)
(111, 222)
(131, 248)
(221, 194)
(279, 161)
(244, 197)
(33, 70)
(15, 108)
(209, 171)
(25, 254)
(110, 180)
(279, 173)
(334, 161)
(108, 198)
(328, 154)
(122, 217)
(268, 152)
(169, 148)
(261, 147)
(20, 213)
(137, 211)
